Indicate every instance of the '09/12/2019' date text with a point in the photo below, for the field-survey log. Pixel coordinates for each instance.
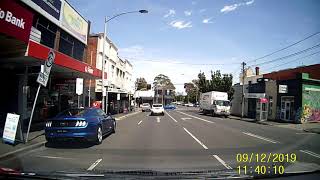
(259, 158)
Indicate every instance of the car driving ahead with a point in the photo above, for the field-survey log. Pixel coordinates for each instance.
(80, 123)
(157, 109)
(145, 107)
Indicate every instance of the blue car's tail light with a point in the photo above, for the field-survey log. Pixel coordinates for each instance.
(48, 124)
(81, 123)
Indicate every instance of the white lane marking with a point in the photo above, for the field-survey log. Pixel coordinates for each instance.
(158, 119)
(311, 153)
(139, 122)
(260, 137)
(195, 117)
(171, 117)
(204, 146)
(94, 164)
(52, 157)
(185, 118)
(222, 162)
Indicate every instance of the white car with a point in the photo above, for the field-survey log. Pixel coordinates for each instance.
(145, 107)
(157, 109)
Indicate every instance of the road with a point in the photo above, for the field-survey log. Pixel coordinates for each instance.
(181, 140)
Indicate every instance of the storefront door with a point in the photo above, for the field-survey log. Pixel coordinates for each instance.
(287, 108)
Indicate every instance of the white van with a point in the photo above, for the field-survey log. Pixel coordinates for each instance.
(215, 103)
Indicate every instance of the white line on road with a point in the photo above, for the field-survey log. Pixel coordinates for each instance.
(94, 164)
(139, 122)
(158, 119)
(204, 146)
(306, 133)
(311, 153)
(222, 162)
(195, 117)
(260, 137)
(171, 117)
(52, 157)
(185, 118)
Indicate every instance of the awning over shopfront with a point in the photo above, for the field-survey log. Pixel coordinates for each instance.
(63, 63)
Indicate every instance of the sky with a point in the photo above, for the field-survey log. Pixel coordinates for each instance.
(182, 38)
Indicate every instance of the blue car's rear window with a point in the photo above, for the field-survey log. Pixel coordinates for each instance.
(74, 112)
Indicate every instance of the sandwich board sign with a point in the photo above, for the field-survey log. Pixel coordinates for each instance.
(10, 128)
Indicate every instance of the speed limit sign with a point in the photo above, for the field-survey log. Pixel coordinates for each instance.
(44, 76)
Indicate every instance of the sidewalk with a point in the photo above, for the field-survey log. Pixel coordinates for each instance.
(313, 127)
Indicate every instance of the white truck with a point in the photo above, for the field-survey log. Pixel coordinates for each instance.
(215, 103)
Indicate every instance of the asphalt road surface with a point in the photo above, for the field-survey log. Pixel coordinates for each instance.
(181, 140)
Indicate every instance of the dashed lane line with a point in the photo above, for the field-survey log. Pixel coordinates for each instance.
(204, 146)
(195, 117)
(94, 165)
(171, 117)
(139, 122)
(311, 153)
(260, 137)
(222, 162)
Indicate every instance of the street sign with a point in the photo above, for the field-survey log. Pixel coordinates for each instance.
(104, 91)
(118, 96)
(10, 127)
(44, 76)
(254, 95)
(79, 86)
(283, 89)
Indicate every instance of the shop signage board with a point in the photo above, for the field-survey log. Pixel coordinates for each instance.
(44, 76)
(79, 86)
(52, 7)
(72, 21)
(10, 128)
(254, 95)
(15, 20)
(283, 89)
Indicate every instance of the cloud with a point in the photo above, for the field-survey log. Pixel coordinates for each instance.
(202, 10)
(180, 24)
(187, 13)
(207, 21)
(249, 2)
(171, 13)
(229, 8)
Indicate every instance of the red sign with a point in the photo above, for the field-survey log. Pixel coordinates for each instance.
(15, 20)
(96, 104)
(263, 100)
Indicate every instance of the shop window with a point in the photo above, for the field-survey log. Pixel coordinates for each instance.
(270, 105)
(48, 31)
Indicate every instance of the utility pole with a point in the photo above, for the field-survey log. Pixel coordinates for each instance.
(242, 101)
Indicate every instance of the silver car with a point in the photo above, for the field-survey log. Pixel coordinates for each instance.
(145, 107)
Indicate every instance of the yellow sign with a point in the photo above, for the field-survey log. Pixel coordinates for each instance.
(73, 22)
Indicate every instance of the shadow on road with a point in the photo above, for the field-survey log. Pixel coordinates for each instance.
(72, 144)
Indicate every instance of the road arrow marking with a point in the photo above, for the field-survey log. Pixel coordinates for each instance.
(158, 119)
(185, 118)
(195, 117)
(260, 137)
(139, 122)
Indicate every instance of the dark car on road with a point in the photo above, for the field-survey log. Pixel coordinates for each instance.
(80, 123)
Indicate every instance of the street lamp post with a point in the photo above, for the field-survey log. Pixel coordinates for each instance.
(105, 92)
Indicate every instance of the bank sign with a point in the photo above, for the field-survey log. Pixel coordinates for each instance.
(15, 20)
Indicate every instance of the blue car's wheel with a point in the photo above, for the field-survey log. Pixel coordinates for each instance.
(114, 127)
(99, 135)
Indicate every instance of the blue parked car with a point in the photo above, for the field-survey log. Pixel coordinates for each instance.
(80, 123)
(170, 106)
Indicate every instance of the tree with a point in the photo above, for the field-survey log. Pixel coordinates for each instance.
(141, 84)
(163, 82)
(218, 82)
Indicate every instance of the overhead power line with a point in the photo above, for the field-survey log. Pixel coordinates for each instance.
(295, 60)
(284, 47)
(288, 56)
